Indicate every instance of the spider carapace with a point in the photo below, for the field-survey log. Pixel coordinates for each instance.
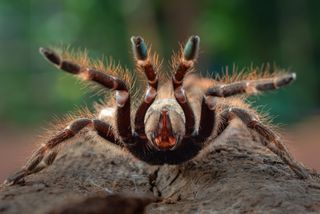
(175, 120)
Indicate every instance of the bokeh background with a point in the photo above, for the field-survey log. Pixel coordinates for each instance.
(240, 32)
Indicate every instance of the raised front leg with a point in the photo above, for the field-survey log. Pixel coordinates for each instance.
(144, 63)
(185, 64)
(47, 153)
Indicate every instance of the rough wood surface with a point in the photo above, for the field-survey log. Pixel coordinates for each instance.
(236, 174)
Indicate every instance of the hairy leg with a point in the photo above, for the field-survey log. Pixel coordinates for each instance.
(144, 63)
(251, 86)
(123, 120)
(185, 64)
(47, 153)
(272, 141)
(207, 121)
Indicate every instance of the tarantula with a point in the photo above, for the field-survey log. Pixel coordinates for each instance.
(175, 119)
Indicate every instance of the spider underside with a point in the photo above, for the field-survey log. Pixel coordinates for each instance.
(175, 119)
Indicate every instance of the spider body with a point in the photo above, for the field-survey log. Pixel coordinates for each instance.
(175, 120)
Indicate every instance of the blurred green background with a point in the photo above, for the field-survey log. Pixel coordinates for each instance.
(242, 32)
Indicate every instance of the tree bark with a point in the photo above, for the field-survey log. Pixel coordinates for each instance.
(234, 174)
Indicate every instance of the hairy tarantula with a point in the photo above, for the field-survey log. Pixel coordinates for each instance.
(175, 119)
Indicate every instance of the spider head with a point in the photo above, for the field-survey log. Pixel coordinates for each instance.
(164, 126)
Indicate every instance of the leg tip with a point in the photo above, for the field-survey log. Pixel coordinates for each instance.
(139, 48)
(45, 51)
(195, 39)
(136, 40)
(50, 55)
(285, 80)
(191, 49)
(15, 178)
(8, 182)
(42, 50)
(303, 174)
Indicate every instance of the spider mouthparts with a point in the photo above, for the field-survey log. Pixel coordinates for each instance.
(164, 137)
(165, 143)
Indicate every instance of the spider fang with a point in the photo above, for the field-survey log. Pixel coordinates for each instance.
(165, 140)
